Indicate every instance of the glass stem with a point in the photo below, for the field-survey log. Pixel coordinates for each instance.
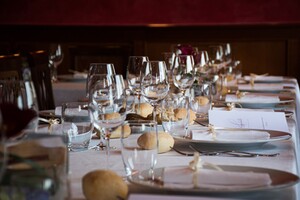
(107, 140)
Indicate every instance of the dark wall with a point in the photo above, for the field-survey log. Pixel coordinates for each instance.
(146, 12)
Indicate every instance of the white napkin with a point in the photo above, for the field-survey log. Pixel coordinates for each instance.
(80, 75)
(265, 78)
(245, 109)
(213, 179)
(230, 135)
(252, 98)
(260, 86)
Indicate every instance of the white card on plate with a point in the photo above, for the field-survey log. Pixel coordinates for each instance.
(249, 120)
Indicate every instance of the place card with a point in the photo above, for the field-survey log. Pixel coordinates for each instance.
(249, 120)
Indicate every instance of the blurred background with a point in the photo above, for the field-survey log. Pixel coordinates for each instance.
(264, 35)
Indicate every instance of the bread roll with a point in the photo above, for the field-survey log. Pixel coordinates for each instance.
(192, 117)
(117, 133)
(113, 115)
(165, 141)
(202, 100)
(103, 185)
(180, 113)
(144, 109)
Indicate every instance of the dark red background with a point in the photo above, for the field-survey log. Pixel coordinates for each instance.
(145, 12)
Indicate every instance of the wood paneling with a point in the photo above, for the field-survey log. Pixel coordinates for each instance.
(265, 48)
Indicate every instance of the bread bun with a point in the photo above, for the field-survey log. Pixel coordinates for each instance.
(180, 113)
(165, 141)
(202, 100)
(113, 115)
(103, 185)
(192, 117)
(117, 133)
(144, 109)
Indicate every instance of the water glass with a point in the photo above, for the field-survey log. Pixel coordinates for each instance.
(201, 99)
(77, 125)
(175, 115)
(139, 150)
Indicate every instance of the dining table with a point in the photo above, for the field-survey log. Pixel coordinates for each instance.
(80, 163)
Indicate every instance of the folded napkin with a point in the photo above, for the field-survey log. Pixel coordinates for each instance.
(80, 75)
(245, 109)
(214, 179)
(230, 135)
(260, 86)
(264, 78)
(252, 98)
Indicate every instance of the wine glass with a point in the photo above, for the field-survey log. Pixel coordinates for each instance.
(110, 107)
(201, 62)
(183, 72)
(135, 74)
(55, 59)
(95, 70)
(216, 56)
(155, 86)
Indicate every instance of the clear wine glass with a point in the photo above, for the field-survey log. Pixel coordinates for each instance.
(155, 86)
(95, 70)
(183, 72)
(110, 107)
(216, 56)
(56, 57)
(201, 63)
(135, 74)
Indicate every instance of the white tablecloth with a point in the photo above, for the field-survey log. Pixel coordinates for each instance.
(82, 162)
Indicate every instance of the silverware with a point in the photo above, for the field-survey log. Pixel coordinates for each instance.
(181, 152)
(234, 153)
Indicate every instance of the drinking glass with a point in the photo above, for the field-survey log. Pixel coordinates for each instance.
(55, 59)
(201, 99)
(183, 72)
(175, 115)
(77, 125)
(216, 56)
(139, 158)
(95, 70)
(109, 107)
(22, 95)
(155, 86)
(201, 63)
(135, 73)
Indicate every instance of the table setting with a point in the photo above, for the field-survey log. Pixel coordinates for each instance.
(192, 130)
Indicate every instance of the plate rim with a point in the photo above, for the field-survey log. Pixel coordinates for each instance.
(226, 191)
(284, 136)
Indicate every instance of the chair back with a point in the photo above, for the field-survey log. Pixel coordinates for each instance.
(38, 62)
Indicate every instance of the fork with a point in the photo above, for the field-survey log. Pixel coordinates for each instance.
(235, 153)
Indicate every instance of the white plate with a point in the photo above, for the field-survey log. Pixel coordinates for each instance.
(71, 78)
(280, 179)
(226, 144)
(264, 105)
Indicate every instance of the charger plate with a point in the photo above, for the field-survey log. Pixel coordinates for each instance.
(280, 179)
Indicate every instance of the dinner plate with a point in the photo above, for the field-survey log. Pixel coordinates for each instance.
(237, 144)
(280, 179)
(71, 78)
(264, 104)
